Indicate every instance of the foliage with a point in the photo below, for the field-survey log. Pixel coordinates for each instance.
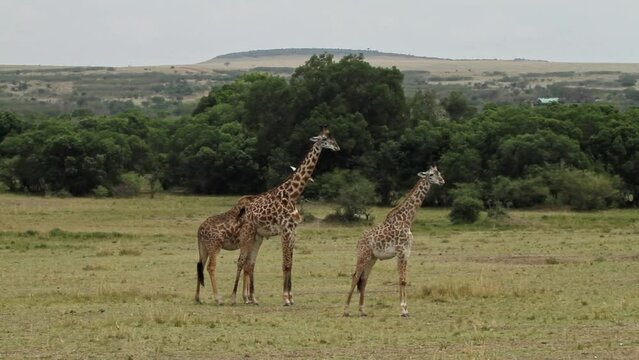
(465, 210)
(584, 189)
(466, 203)
(627, 80)
(245, 134)
(350, 191)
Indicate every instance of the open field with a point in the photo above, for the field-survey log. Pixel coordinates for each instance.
(115, 278)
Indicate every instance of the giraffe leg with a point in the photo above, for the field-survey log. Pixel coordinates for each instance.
(211, 269)
(354, 282)
(359, 269)
(251, 268)
(402, 261)
(240, 264)
(362, 284)
(288, 240)
(246, 236)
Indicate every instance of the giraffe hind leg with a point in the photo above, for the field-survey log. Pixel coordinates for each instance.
(211, 269)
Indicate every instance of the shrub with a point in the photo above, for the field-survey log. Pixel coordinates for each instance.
(101, 191)
(627, 80)
(351, 192)
(584, 189)
(465, 210)
(520, 192)
(496, 210)
(131, 185)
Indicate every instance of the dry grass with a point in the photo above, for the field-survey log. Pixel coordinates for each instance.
(483, 291)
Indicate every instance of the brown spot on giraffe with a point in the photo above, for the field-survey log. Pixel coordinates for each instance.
(391, 238)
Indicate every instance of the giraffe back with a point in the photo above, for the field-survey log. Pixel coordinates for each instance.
(225, 227)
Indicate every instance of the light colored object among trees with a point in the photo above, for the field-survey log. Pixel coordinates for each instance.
(391, 238)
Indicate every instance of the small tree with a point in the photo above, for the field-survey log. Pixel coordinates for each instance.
(466, 203)
(465, 210)
(350, 191)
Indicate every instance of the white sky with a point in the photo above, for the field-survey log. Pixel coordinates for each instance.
(157, 32)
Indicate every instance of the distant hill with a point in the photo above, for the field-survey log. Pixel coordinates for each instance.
(168, 89)
(308, 52)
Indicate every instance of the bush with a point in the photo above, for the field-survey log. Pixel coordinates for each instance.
(465, 210)
(584, 189)
(520, 192)
(101, 192)
(351, 191)
(130, 186)
(497, 211)
(627, 80)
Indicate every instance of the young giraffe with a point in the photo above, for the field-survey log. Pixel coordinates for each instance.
(214, 234)
(274, 212)
(391, 238)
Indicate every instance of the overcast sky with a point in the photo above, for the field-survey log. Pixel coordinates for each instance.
(159, 32)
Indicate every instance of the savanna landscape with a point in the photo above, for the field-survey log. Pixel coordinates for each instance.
(94, 278)
(529, 250)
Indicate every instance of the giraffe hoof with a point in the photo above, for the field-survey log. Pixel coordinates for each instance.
(363, 314)
(405, 315)
(346, 314)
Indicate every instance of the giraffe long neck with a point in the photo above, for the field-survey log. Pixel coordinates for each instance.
(295, 184)
(408, 208)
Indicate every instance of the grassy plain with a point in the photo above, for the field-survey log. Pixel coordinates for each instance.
(115, 278)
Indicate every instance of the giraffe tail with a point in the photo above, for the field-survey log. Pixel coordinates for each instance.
(200, 273)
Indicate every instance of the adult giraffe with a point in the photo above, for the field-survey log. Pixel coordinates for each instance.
(274, 212)
(391, 238)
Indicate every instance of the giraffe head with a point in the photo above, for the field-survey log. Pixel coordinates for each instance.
(324, 140)
(433, 176)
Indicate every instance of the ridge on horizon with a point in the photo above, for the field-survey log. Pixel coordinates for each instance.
(312, 51)
(335, 51)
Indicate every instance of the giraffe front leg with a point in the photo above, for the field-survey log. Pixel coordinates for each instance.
(211, 269)
(402, 262)
(288, 240)
(250, 270)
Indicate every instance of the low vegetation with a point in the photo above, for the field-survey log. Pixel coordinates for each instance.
(89, 278)
(244, 135)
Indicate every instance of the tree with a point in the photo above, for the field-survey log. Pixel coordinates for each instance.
(457, 106)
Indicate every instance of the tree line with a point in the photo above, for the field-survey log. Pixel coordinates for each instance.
(243, 137)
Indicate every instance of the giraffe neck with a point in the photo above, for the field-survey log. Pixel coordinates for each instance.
(408, 208)
(296, 182)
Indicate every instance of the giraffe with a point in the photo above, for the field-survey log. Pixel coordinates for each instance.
(274, 212)
(214, 234)
(391, 238)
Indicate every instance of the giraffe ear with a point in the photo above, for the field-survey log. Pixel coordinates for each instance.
(315, 139)
(422, 174)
